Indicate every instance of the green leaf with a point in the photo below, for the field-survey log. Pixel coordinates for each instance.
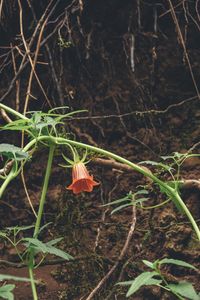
(142, 192)
(139, 281)
(129, 282)
(7, 288)
(48, 121)
(153, 281)
(157, 164)
(167, 157)
(13, 152)
(54, 242)
(6, 291)
(58, 252)
(176, 262)
(44, 226)
(148, 264)
(7, 295)
(3, 234)
(124, 199)
(149, 162)
(38, 244)
(18, 125)
(128, 198)
(57, 108)
(22, 228)
(48, 247)
(16, 229)
(71, 114)
(184, 289)
(120, 207)
(179, 155)
(141, 200)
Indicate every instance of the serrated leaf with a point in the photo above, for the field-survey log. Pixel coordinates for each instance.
(12, 151)
(48, 248)
(7, 288)
(176, 262)
(6, 291)
(184, 289)
(139, 281)
(7, 295)
(38, 244)
(18, 125)
(48, 121)
(58, 252)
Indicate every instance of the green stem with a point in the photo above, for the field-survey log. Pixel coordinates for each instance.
(13, 112)
(156, 206)
(39, 216)
(171, 192)
(59, 140)
(9, 178)
(33, 287)
(166, 285)
(168, 190)
(188, 214)
(44, 190)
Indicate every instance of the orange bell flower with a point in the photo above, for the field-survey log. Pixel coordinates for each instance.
(81, 179)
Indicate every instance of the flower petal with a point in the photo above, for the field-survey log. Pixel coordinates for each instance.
(82, 181)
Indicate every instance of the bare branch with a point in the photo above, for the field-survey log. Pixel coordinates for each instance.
(121, 256)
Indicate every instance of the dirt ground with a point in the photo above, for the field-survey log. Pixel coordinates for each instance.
(93, 236)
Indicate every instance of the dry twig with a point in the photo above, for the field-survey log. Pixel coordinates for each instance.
(180, 36)
(121, 256)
